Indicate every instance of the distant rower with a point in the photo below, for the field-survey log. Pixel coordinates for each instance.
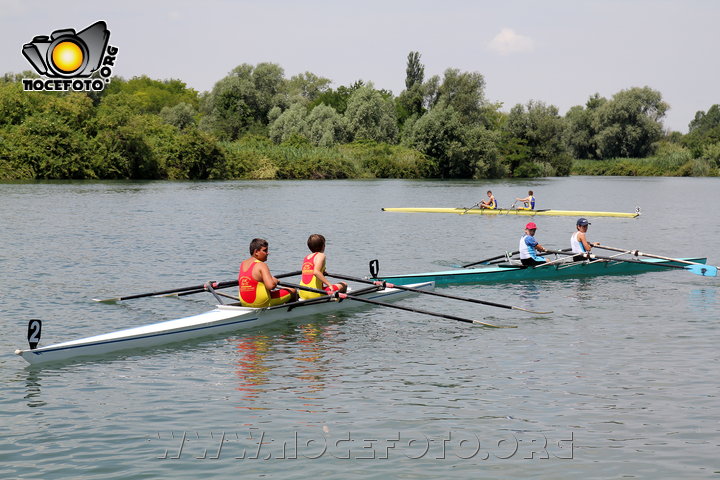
(490, 203)
(528, 202)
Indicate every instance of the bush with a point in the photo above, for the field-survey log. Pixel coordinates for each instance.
(389, 161)
(532, 169)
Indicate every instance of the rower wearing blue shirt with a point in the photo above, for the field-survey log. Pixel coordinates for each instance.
(528, 202)
(490, 203)
(529, 247)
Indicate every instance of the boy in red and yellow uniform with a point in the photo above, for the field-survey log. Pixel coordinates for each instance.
(313, 270)
(256, 284)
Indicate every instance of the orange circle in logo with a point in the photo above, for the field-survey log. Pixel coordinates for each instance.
(67, 56)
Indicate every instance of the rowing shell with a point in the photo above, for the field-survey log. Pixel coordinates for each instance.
(499, 273)
(506, 211)
(223, 319)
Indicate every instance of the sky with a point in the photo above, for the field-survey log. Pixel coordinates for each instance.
(556, 51)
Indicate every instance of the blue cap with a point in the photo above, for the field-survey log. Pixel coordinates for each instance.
(582, 222)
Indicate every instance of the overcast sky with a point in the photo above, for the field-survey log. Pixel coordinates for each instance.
(559, 52)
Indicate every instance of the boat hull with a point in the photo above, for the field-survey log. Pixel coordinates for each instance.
(505, 211)
(223, 319)
(495, 274)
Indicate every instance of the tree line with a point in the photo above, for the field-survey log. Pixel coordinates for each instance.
(256, 123)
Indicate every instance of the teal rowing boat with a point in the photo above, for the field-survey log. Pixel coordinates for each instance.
(508, 273)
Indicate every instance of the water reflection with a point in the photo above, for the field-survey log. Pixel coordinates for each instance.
(703, 299)
(312, 365)
(33, 390)
(262, 364)
(252, 369)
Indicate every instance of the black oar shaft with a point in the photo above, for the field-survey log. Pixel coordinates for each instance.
(189, 290)
(195, 288)
(417, 310)
(437, 294)
(383, 304)
(511, 254)
(489, 259)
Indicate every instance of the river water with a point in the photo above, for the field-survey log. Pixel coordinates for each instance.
(620, 381)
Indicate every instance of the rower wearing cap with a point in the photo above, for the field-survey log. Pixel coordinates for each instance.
(579, 243)
(529, 247)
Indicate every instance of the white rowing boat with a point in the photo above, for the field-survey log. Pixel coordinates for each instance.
(223, 319)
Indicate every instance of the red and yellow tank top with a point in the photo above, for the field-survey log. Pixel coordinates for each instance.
(252, 292)
(308, 279)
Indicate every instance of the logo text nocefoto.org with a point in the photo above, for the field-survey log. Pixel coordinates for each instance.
(68, 59)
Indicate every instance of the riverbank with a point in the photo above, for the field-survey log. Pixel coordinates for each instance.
(646, 167)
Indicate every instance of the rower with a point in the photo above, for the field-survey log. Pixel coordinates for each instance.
(579, 243)
(529, 247)
(528, 202)
(255, 283)
(490, 203)
(313, 270)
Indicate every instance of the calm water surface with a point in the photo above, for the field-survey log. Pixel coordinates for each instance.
(619, 382)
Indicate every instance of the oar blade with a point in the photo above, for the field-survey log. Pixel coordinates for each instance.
(702, 270)
(106, 300)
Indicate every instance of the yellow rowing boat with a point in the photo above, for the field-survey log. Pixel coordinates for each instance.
(507, 211)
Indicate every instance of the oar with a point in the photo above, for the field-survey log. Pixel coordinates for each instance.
(510, 254)
(191, 292)
(187, 290)
(693, 267)
(399, 307)
(553, 262)
(437, 294)
(470, 208)
(489, 259)
(194, 289)
(697, 269)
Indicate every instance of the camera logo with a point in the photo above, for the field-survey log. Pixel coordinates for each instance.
(68, 58)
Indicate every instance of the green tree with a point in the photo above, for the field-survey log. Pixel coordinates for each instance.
(463, 91)
(706, 121)
(150, 95)
(188, 154)
(292, 122)
(16, 105)
(307, 86)
(371, 116)
(241, 101)
(337, 99)
(540, 129)
(415, 71)
(704, 131)
(582, 124)
(181, 115)
(461, 151)
(629, 124)
(326, 127)
(51, 143)
(410, 101)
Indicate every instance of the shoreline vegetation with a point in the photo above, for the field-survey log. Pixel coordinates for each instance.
(257, 124)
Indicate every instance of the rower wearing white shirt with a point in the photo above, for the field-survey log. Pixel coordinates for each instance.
(579, 243)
